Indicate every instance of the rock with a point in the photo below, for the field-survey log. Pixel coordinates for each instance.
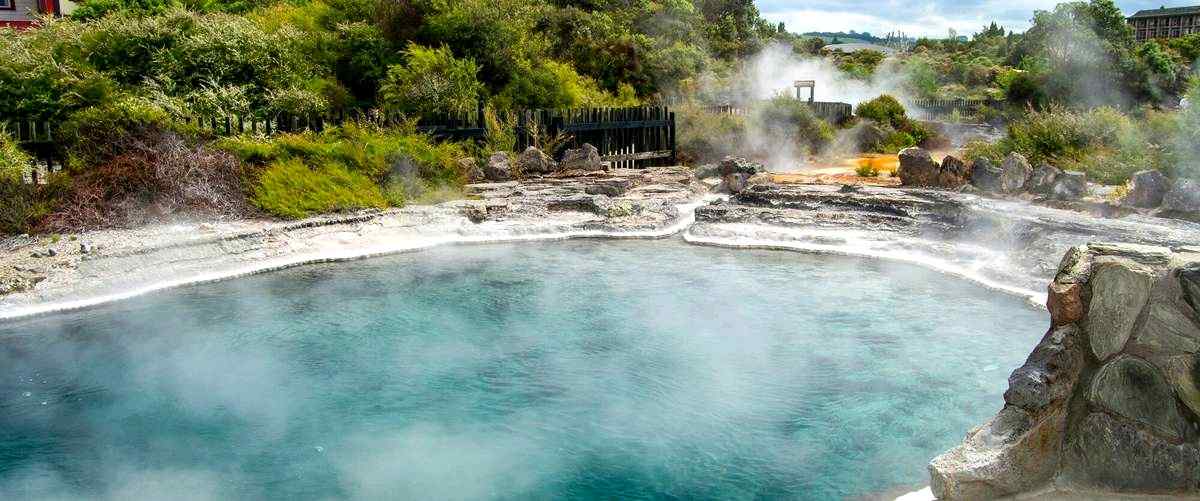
(498, 167)
(706, 171)
(1132, 388)
(1049, 374)
(596, 204)
(954, 173)
(734, 183)
(1149, 255)
(1010, 454)
(1189, 280)
(1065, 303)
(739, 165)
(470, 167)
(586, 158)
(1183, 372)
(1147, 189)
(85, 248)
(51, 252)
(1183, 199)
(1109, 453)
(476, 213)
(1069, 185)
(1014, 172)
(613, 187)
(1042, 179)
(533, 161)
(1167, 330)
(1119, 294)
(985, 176)
(917, 168)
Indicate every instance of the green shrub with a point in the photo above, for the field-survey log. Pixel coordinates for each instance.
(706, 137)
(408, 166)
(551, 84)
(431, 81)
(785, 119)
(18, 208)
(884, 109)
(291, 189)
(1105, 143)
(867, 170)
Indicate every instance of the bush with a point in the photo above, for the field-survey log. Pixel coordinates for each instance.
(551, 84)
(787, 120)
(20, 206)
(884, 109)
(866, 170)
(899, 131)
(1105, 143)
(706, 137)
(293, 190)
(151, 177)
(431, 81)
(408, 165)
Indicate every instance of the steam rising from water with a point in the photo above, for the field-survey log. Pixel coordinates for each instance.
(510, 372)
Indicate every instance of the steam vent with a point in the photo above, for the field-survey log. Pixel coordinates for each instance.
(1110, 398)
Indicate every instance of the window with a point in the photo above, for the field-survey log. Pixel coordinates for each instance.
(7, 5)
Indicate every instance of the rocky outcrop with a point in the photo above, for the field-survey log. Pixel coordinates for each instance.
(498, 167)
(1183, 199)
(585, 158)
(1147, 189)
(1069, 185)
(1043, 179)
(533, 162)
(1008, 178)
(1110, 398)
(735, 174)
(917, 168)
(471, 168)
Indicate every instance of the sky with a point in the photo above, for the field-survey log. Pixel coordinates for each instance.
(933, 18)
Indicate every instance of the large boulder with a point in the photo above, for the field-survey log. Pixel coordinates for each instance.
(917, 168)
(1183, 199)
(739, 165)
(498, 167)
(1069, 185)
(1107, 452)
(954, 173)
(1134, 389)
(985, 175)
(533, 161)
(586, 158)
(470, 167)
(1110, 399)
(1120, 292)
(1042, 180)
(1014, 172)
(1147, 189)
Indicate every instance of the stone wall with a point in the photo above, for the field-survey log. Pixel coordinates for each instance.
(1109, 400)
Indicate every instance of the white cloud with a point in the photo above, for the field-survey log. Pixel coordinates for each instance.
(932, 18)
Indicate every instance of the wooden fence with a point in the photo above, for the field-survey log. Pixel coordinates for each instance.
(835, 113)
(627, 137)
(939, 109)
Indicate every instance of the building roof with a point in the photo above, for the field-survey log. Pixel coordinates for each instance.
(857, 46)
(1163, 11)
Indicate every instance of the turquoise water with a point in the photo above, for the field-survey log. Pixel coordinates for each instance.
(582, 370)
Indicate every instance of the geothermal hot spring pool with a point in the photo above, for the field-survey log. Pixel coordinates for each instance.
(579, 369)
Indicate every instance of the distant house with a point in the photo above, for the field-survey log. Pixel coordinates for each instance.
(1165, 23)
(22, 14)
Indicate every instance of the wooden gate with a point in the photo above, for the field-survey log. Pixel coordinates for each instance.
(627, 137)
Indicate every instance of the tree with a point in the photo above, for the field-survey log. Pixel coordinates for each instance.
(431, 81)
